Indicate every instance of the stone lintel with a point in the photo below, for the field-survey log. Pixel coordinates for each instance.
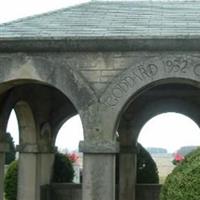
(128, 149)
(4, 147)
(99, 147)
(35, 148)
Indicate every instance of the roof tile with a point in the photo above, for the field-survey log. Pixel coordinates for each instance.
(135, 19)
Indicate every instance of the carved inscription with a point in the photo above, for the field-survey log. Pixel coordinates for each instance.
(175, 66)
(140, 73)
(197, 70)
(170, 67)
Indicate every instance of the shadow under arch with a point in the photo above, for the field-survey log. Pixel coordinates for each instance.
(38, 95)
(9, 85)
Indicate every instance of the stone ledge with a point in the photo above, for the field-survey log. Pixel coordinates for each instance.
(4, 147)
(99, 147)
(99, 44)
(35, 148)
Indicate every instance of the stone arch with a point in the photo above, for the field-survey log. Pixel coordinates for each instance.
(12, 96)
(136, 79)
(56, 72)
(151, 103)
(40, 109)
(136, 107)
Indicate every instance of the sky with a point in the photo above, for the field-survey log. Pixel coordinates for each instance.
(15, 9)
(170, 131)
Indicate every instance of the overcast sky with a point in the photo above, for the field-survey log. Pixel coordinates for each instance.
(169, 131)
(14, 9)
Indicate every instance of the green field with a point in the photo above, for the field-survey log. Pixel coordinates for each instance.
(165, 166)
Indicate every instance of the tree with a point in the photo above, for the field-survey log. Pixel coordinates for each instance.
(10, 182)
(147, 171)
(63, 169)
(10, 156)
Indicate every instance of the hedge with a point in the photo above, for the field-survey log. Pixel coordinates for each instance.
(62, 172)
(184, 181)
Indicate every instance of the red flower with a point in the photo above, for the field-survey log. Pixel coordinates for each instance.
(179, 157)
(73, 157)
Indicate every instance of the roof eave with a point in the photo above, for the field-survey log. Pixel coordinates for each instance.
(99, 44)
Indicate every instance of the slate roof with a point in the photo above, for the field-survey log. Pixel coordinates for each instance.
(104, 19)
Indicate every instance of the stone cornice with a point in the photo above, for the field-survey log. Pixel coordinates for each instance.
(98, 44)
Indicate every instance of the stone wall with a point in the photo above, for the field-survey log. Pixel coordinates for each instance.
(74, 192)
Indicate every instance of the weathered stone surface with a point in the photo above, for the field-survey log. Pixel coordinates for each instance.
(98, 177)
(35, 148)
(99, 147)
(27, 177)
(4, 147)
(103, 87)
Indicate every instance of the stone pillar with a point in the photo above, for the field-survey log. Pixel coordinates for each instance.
(35, 169)
(127, 173)
(45, 167)
(27, 172)
(3, 150)
(99, 170)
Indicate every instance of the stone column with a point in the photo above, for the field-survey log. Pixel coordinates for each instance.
(99, 170)
(45, 166)
(35, 169)
(3, 150)
(27, 172)
(127, 173)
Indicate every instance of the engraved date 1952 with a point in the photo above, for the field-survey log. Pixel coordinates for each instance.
(176, 66)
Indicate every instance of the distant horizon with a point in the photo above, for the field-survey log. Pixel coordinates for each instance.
(171, 152)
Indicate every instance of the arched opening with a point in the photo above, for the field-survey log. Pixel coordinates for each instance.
(13, 127)
(176, 97)
(67, 142)
(167, 136)
(12, 133)
(40, 110)
(70, 134)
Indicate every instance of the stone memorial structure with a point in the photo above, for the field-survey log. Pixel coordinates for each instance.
(116, 64)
